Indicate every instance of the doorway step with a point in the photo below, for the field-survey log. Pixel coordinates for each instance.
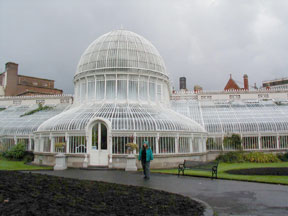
(96, 168)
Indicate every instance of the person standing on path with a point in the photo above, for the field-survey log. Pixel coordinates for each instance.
(146, 155)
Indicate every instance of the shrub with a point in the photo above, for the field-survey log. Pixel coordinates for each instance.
(28, 157)
(253, 157)
(283, 157)
(17, 152)
(233, 141)
(231, 157)
(260, 157)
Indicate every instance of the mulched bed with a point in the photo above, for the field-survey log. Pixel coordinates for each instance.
(281, 171)
(35, 194)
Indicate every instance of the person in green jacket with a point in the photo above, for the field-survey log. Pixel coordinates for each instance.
(146, 155)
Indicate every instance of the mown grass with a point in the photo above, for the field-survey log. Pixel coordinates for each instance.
(19, 165)
(223, 167)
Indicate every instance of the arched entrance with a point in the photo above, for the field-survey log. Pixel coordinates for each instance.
(98, 143)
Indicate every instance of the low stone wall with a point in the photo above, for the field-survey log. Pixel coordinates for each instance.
(119, 161)
(48, 159)
(75, 160)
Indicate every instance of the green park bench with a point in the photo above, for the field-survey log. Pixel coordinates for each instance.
(199, 165)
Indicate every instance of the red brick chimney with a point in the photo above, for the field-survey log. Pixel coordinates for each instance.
(246, 85)
(12, 78)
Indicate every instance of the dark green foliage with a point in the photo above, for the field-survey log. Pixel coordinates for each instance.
(17, 152)
(2, 108)
(283, 157)
(234, 140)
(231, 157)
(28, 157)
(40, 108)
(253, 157)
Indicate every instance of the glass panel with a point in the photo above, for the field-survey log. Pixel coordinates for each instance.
(159, 92)
(100, 85)
(119, 144)
(83, 91)
(122, 89)
(110, 89)
(152, 91)
(103, 137)
(184, 145)
(59, 144)
(143, 88)
(133, 89)
(95, 137)
(91, 90)
(166, 145)
(47, 143)
(77, 144)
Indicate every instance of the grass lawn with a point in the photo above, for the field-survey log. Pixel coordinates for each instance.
(229, 166)
(18, 165)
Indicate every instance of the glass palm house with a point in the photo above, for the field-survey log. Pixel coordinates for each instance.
(122, 95)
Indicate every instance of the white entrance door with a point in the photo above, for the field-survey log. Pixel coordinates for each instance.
(99, 145)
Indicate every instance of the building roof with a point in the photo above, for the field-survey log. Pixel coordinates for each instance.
(13, 124)
(121, 49)
(36, 78)
(123, 117)
(224, 117)
(231, 84)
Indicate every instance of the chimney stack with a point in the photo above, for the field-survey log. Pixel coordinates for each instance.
(246, 85)
(182, 83)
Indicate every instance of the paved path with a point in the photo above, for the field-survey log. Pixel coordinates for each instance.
(225, 197)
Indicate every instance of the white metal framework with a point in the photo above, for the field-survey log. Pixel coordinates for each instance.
(123, 117)
(262, 124)
(13, 123)
(121, 49)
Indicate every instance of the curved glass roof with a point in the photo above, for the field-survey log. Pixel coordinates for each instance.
(222, 117)
(12, 124)
(121, 49)
(123, 117)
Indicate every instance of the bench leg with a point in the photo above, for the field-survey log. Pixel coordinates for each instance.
(214, 172)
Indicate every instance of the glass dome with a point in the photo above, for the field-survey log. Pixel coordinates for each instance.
(121, 66)
(121, 49)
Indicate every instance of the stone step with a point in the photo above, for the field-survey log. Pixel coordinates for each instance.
(96, 168)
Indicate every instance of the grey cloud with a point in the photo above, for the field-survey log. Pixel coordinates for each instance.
(202, 40)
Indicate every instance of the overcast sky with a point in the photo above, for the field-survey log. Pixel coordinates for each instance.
(202, 40)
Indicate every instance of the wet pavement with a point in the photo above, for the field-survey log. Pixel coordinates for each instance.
(224, 196)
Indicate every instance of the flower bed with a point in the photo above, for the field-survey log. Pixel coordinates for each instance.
(35, 194)
(278, 171)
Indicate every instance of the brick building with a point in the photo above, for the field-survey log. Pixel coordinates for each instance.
(13, 84)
